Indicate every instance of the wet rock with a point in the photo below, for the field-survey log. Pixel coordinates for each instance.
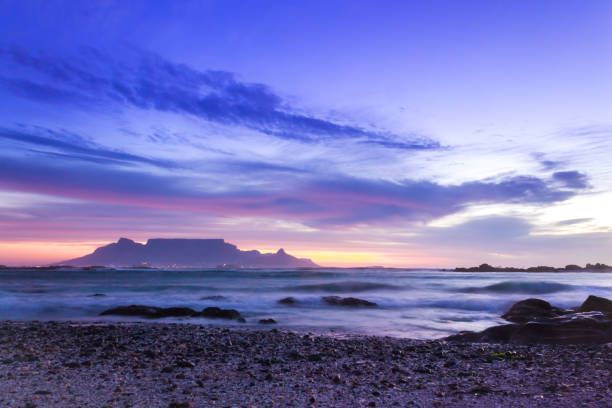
(288, 301)
(179, 405)
(267, 321)
(589, 327)
(150, 311)
(531, 309)
(97, 295)
(596, 304)
(577, 328)
(214, 297)
(348, 301)
(218, 313)
(184, 364)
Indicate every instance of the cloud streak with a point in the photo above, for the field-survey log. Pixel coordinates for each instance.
(147, 81)
(316, 200)
(71, 146)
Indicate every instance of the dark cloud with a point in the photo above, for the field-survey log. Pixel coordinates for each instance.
(311, 199)
(148, 81)
(71, 146)
(571, 179)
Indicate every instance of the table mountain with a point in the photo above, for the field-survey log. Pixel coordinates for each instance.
(160, 252)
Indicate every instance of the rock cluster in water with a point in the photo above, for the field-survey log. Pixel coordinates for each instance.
(348, 301)
(537, 321)
(154, 312)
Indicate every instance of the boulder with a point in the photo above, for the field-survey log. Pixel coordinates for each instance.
(348, 301)
(149, 311)
(217, 313)
(531, 309)
(267, 321)
(288, 301)
(596, 304)
(540, 323)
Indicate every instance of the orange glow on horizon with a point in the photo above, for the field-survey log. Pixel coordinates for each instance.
(39, 253)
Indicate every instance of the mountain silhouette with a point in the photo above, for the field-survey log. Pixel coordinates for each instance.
(208, 253)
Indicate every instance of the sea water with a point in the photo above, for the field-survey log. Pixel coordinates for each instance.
(421, 304)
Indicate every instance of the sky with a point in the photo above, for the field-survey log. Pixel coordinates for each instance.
(395, 133)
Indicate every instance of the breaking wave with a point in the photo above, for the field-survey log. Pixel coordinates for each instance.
(343, 287)
(540, 287)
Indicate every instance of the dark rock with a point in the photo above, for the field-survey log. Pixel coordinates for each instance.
(150, 311)
(177, 311)
(531, 309)
(267, 321)
(596, 304)
(288, 301)
(348, 301)
(578, 328)
(179, 405)
(588, 327)
(217, 313)
(97, 295)
(184, 364)
(214, 297)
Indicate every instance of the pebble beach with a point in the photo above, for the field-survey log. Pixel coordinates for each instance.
(66, 364)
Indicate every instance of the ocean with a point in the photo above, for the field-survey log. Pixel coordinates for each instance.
(420, 304)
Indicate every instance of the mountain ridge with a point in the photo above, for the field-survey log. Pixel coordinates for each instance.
(185, 252)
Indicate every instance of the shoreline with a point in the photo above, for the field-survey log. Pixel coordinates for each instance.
(64, 364)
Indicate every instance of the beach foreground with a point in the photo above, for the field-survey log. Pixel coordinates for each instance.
(49, 364)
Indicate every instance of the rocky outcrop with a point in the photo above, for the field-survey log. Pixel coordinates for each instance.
(150, 311)
(537, 322)
(218, 313)
(288, 301)
(154, 312)
(267, 321)
(530, 309)
(348, 301)
(596, 304)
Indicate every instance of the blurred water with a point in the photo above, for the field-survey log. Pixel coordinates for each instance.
(412, 303)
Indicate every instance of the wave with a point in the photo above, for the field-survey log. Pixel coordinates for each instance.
(519, 287)
(343, 287)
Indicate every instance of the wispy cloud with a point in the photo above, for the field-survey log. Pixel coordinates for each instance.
(70, 146)
(317, 200)
(147, 81)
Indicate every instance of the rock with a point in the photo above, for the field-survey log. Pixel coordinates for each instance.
(578, 328)
(150, 311)
(288, 301)
(97, 295)
(495, 334)
(179, 405)
(267, 321)
(348, 301)
(214, 297)
(184, 364)
(536, 326)
(176, 311)
(217, 313)
(531, 309)
(596, 304)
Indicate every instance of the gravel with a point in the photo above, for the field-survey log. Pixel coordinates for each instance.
(53, 364)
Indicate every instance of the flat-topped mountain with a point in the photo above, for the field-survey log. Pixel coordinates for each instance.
(207, 253)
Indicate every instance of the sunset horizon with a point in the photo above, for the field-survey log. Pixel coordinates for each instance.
(419, 134)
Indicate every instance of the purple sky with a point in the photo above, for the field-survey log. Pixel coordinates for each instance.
(431, 133)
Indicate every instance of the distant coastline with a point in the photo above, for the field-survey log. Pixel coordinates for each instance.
(597, 267)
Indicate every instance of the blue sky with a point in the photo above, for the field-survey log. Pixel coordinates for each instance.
(434, 133)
